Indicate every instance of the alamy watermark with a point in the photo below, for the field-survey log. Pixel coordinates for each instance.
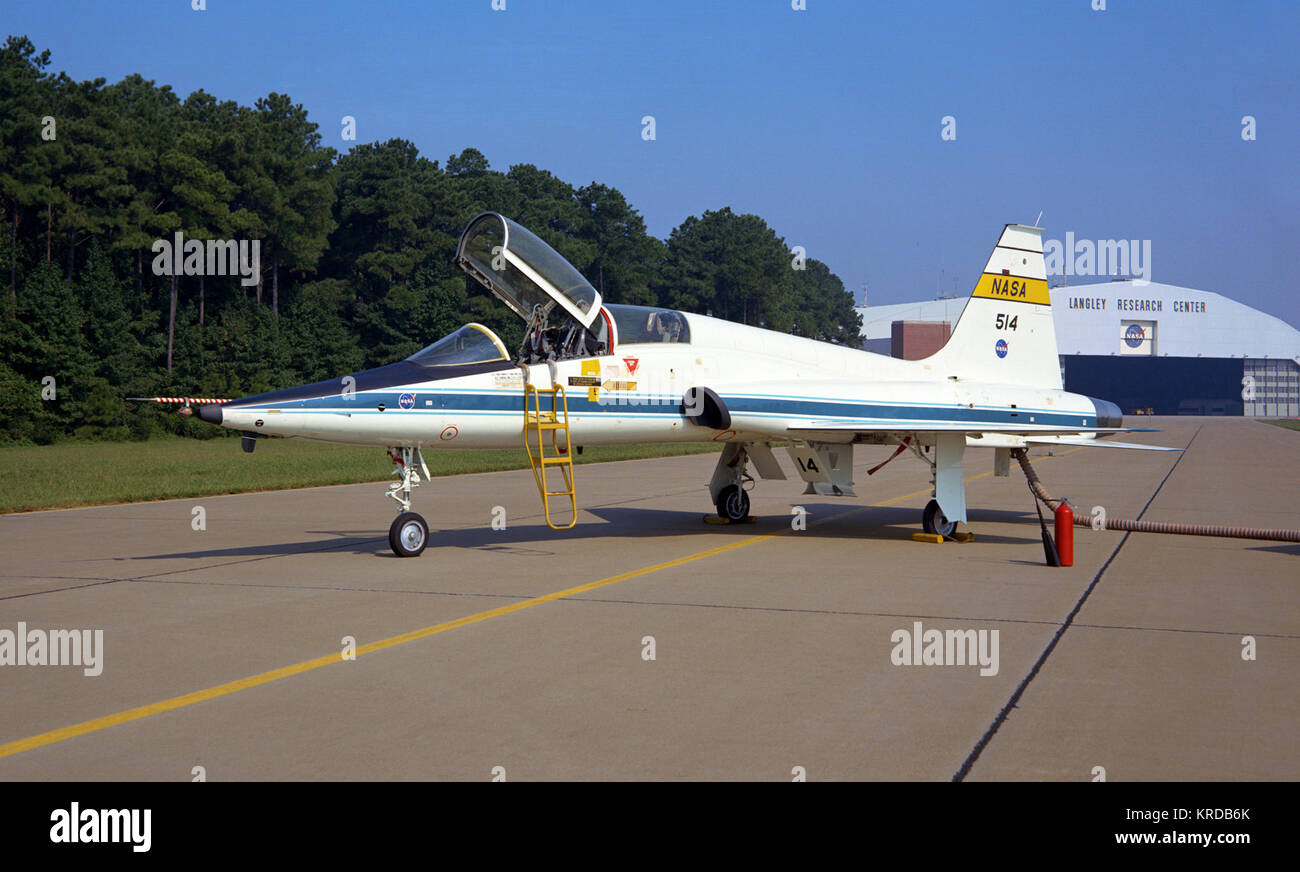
(920, 647)
(637, 389)
(213, 257)
(36, 647)
(77, 825)
(1103, 257)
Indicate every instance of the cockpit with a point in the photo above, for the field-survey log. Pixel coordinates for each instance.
(639, 324)
(565, 315)
(523, 271)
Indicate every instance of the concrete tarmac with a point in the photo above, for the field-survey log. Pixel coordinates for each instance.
(525, 654)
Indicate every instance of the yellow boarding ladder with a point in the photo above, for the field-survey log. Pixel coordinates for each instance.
(553, 422)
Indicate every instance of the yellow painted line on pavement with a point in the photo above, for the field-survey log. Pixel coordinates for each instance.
(176, 702)
(220, 690)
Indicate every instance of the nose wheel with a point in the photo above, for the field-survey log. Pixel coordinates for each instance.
(409, 535)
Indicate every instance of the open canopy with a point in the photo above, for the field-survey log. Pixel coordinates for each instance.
(522, 270)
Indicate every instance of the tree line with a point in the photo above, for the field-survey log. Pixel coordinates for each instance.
(355, 266)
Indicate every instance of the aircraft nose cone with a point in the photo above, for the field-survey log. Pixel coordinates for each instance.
(210, 413)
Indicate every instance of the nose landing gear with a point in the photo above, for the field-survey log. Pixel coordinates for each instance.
(409, 533)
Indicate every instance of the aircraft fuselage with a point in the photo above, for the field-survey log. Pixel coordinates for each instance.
(768, 380)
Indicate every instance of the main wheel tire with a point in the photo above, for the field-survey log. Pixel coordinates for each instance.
(933, 520)
(733, 503)
(408, 535)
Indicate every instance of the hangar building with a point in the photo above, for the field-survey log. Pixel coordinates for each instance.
(1151, 348)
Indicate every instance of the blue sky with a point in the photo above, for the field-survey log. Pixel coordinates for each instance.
(1117, 124)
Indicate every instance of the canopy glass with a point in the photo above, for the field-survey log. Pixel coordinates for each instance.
(522, 270)
(640, 324)
(472, 343)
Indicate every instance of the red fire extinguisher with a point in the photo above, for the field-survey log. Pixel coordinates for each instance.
(1065, 533)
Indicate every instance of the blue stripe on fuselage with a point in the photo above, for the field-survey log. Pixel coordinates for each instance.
(511, 402)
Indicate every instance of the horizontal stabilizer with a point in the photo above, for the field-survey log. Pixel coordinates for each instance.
(1098, 443)
(1010, 440)
(830, 427)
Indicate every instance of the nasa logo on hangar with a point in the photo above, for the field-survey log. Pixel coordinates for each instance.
(1134, 335)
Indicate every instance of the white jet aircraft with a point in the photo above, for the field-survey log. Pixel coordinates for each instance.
(593, 374)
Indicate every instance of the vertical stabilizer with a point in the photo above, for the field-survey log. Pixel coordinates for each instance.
(1005, 335)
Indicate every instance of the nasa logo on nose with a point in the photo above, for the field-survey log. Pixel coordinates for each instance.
(406, 401)
(1134, 335)
(1001, 348)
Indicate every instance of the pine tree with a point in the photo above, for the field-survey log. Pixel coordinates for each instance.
(25, 160)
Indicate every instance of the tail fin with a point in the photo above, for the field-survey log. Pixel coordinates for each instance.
(1005, 334)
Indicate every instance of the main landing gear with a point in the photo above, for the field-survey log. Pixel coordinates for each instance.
(728, 484)
(946, 479)
(733, 503)
(409, 533)
(933, 520)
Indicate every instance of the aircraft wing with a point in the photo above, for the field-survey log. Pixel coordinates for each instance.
(979, 436)
(845, 410)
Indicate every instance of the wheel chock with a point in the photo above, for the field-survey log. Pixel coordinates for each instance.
(927, 537)
(714, 519)
(964, 537)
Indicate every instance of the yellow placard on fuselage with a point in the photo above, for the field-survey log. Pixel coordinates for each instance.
(1013, 289)
(591, 369)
